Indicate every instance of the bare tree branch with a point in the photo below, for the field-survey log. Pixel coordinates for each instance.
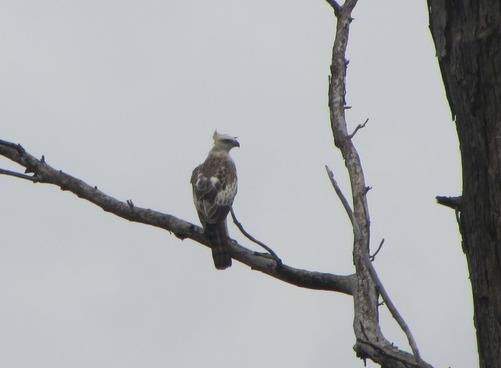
(393, 310)
(251, 238)
(335, 5)
(182, 229)
(370, 342)
(359, 126)
(343, 199)
(18, 175)
(373, 256)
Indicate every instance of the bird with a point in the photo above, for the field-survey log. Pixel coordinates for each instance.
(215, 185)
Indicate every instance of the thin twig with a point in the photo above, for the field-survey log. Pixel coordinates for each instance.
(372, 257)
(251, 238)
(31, 178)
(343, 200)
(393, 310)
(359, 126)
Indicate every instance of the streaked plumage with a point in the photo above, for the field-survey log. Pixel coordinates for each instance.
(214, 185)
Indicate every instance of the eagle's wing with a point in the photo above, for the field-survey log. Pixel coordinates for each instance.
(214, 188)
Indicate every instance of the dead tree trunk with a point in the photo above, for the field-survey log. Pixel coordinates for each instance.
(467, 36)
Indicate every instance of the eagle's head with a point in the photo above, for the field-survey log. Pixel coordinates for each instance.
(224, 141)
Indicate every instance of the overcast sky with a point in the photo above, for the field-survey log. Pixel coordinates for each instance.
(126, 94)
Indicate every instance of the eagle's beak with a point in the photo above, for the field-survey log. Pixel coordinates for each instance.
(236, 144)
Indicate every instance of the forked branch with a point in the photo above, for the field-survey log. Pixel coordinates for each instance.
(365, 286)
(335, 5)
(370, 342)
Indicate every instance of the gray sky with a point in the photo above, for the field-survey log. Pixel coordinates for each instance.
(125, 95)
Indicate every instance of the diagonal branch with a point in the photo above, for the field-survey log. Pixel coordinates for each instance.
(359, 126)
(372, 257)
(393, 310)
(251, 238)
(344, 201)
(181, 228)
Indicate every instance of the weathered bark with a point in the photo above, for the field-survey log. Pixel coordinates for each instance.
(44, 173)
(370, 341)
(467, 36)
(365, 286)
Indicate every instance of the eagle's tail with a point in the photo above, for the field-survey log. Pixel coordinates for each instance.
(218, 237)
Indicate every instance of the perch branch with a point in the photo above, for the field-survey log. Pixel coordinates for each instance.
(182, 229)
